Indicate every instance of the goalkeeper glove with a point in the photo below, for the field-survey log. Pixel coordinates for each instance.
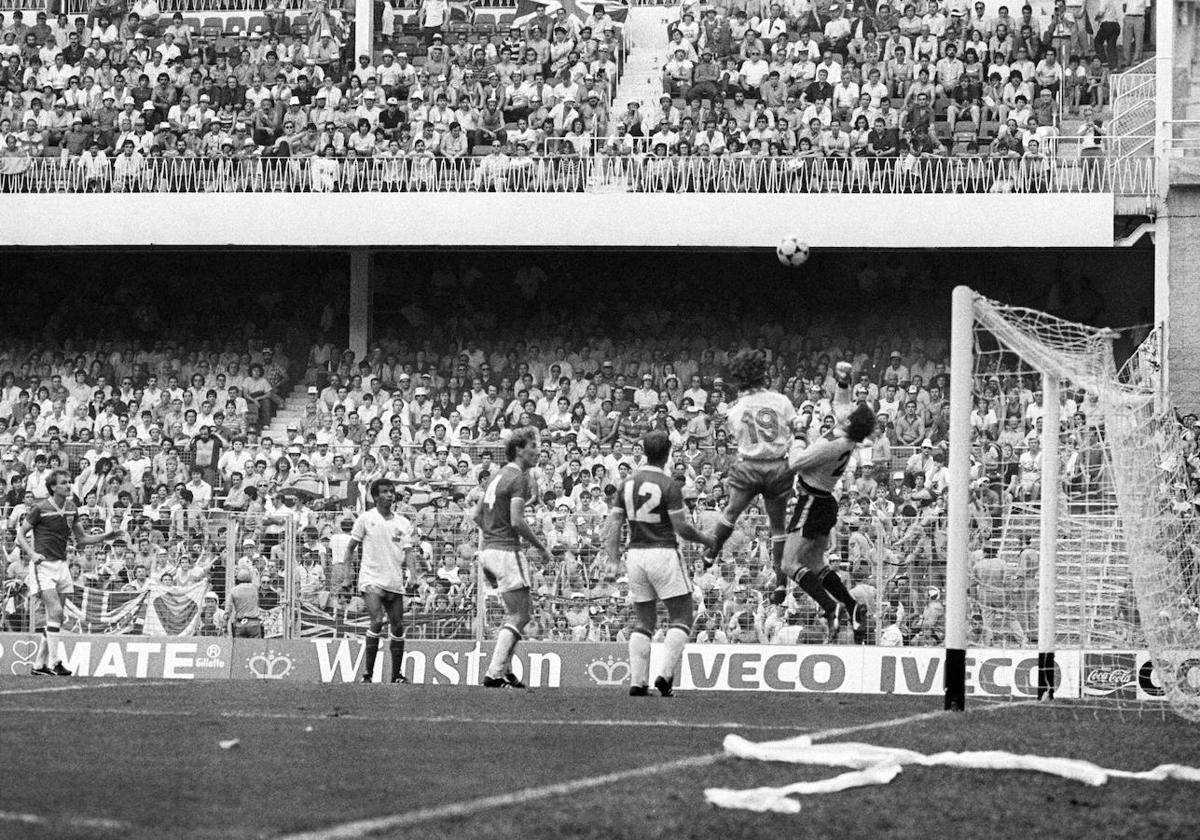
(842, 372)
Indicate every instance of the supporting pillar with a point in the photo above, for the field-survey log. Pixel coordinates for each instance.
(360, 301)
(364, 29)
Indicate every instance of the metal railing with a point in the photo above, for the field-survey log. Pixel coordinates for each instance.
(73, 8)
(217, 7)
(930, 174)
(296, 558)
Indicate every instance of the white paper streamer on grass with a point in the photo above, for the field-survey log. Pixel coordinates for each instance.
(874, 765)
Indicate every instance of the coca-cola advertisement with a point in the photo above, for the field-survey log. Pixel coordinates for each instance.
(1112, 675)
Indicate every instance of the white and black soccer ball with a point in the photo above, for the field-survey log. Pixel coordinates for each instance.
(792, 252)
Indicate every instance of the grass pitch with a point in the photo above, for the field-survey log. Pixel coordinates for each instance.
(96, 758)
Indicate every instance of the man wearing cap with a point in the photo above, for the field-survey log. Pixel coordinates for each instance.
(677, 73)
(895, 372)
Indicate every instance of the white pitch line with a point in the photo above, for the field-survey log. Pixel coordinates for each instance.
(364, 828)
(73, 822)
(51, 689)
(434, 719)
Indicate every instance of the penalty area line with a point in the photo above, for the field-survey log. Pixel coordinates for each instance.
(53, 689)
(91, 823)
(430, 719)
(469, 807)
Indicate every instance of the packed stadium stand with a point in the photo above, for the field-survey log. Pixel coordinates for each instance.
(919, 97)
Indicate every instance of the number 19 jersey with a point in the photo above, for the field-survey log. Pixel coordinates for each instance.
(761, 423)
(648, 497)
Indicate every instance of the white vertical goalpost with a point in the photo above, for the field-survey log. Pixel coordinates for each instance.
(962, 344)
(1118, 528)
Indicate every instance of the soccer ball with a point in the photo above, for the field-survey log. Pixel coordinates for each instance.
(792, 252)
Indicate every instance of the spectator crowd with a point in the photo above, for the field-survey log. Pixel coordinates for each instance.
(836, 93)
(172, 444)
(855, 81)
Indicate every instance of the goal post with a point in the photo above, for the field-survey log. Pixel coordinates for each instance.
(1081, 537)
(958, 502)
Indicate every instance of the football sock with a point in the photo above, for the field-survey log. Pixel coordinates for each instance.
(722, 533)
(41, 658)
(778, 541)
(52, 643)
(372, 652)
(639, 657)
(506, 643)
(834, 586)
(677, 636)
(811, 585)
(396, 649)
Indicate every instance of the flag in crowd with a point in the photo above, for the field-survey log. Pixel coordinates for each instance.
(462, 11)
(157, 611)
(529, 10)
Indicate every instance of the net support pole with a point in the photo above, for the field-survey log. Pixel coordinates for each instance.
(1048, 544)
(962, 318)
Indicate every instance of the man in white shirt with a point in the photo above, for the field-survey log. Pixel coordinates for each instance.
(751, 74)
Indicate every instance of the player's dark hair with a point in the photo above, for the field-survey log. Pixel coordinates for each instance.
(657, 447)
(519, 440)
(52, 479)
(861, 423)
(380, 483)
(749, 368)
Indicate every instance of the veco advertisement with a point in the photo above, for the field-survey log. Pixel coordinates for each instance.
(816, 669)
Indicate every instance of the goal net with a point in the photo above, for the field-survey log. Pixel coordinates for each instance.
(1079, 508)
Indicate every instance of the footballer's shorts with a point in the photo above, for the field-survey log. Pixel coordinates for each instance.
(656, 573)
(771, 479)
(384, 593)
(814, 516)
(49, 574)
(506, 570)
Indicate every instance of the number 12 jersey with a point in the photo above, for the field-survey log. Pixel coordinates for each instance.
(647, 498)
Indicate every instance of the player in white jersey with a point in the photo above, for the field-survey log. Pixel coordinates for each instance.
(819, 468)
(761, 423)
(385, 537)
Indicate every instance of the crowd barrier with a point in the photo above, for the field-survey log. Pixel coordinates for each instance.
(991, 673)
(574, 174)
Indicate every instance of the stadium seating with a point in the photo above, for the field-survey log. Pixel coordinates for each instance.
(444, 445)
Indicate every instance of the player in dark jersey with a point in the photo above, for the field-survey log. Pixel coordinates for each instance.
(54, 522)
(819, 467)
(652, 503)
(500, 516)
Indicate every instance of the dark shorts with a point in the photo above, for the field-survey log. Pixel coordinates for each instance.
(772, 479)
(248, 628)
(814, 516)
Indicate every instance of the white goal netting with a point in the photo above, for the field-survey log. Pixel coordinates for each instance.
(1124, 502)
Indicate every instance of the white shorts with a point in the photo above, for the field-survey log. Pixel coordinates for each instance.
(49, 574)
(656, 573)
(506, 571)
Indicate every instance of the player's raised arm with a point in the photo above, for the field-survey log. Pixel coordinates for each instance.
(843, 401)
